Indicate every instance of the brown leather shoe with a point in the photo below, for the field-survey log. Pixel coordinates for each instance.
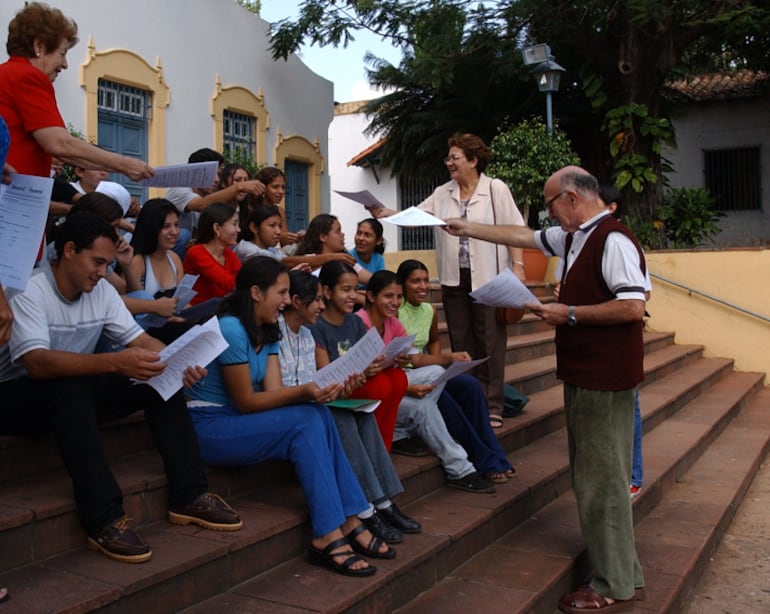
(209, 511)
(119, 542)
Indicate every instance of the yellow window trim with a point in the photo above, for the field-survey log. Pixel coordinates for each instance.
(128, 68)
(299, 149)
(240, 100)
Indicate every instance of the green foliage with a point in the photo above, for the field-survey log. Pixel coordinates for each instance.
(627, 125)
(243, 157)
(686, 219)
(461, 70)
(251, 5)
(524, 156)
(67, 172)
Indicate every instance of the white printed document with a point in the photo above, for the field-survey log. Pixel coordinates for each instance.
(355, 360)
(198, 346)
(364, 197)
(195, 175)
(505, 290)
(397, 346)
(23, 214)
(414, 216)
(183, 293)
(457, 368)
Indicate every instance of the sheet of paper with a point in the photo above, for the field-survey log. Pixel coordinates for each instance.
(23, 214)
(365, 405)
(198, 346)
(414, 216)
(184, 291)
(364, 197)
(195, 175)
(355, 360)
(505, 290)
(398, 346)
(457, 368)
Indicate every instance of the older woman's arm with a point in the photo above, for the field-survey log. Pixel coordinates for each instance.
(58, 142)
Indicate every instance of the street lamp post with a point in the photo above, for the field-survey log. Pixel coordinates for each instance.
(547, 74)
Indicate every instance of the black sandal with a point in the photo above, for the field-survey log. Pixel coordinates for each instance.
(373, 549)
(325, 558)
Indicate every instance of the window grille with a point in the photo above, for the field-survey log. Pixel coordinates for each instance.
(413, 191)
(123, 99)
(238, 133)
(732, 176)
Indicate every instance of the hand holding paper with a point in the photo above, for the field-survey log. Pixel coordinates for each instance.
(364, 197)
(505, 290)
(414, 216)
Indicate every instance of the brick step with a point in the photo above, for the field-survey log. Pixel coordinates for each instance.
(540, 373)
(278, 511)
(697, 470)
(33, 510)
(659, 399)
(458, 525)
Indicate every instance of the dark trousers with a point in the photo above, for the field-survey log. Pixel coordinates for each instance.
(71, 408)
(464, 408)
(474, 329)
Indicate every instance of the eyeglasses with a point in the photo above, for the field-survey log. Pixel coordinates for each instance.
(453, 158)
(550, 201)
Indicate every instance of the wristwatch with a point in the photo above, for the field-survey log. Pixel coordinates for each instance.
(571, 319)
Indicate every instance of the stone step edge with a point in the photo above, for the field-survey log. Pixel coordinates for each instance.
(554, 474)
(567, 563)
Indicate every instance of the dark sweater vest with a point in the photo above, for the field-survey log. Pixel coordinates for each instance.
(607, 357)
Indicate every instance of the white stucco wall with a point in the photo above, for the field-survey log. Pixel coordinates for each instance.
(196, 40)
(725, 125)
(346, 140)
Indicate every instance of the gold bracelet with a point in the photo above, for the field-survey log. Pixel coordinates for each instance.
(520, 263)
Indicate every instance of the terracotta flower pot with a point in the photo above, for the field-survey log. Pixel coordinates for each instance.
(535, 264)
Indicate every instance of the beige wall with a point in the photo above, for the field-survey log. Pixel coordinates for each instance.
(736, 276)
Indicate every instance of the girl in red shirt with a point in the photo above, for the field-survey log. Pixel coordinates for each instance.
(212, 257)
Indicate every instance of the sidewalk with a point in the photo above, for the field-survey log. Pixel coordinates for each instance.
(738, 576)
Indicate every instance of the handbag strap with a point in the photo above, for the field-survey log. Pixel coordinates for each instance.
(494, 222)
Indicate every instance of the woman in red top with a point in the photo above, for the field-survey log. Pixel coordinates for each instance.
(39, 38)
(212, 257)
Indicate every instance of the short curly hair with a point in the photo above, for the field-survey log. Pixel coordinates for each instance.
(473, 148)
(39, 21)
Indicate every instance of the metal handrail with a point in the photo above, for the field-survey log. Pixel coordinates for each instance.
(710, 297)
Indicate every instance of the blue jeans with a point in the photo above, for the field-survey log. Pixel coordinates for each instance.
(637, 468)
(304, 434)
(466, 413)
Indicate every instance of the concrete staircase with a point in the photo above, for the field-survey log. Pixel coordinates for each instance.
(707, 428)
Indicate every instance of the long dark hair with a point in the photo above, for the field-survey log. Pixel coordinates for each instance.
(332, 271)
(379, 281)
(321, 224)
(266, 176)
(407, 267)
(217, 213)
(304, 286)
(149, 223)
(260, 213)
(260, 271)
(377, 229)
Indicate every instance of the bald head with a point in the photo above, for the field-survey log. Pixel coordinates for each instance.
(578, 199)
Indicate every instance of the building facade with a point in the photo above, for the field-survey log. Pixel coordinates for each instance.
(159, 80)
